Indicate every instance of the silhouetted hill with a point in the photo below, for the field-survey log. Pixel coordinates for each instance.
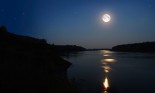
(30, 65)
(67, 48)
(136, 47)
(26, 43)
(10, 40)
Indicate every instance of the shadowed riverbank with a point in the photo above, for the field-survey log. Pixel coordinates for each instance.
(136, 47)
(30, 65)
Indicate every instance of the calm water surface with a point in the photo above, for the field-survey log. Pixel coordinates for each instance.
(113, 72)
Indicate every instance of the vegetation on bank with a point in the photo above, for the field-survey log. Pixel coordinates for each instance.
(136, 47)
(30, 65)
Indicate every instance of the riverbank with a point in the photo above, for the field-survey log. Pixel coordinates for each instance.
(136, 47)
(30, 65)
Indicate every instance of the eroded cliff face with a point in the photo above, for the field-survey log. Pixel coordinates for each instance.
(29, 65)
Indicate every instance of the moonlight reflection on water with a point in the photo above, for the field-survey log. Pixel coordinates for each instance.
(92, 72)
(105, 65)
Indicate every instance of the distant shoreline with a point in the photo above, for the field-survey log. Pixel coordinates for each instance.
(148, 47)
(96, 49)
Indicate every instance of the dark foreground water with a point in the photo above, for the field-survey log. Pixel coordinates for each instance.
(113, 72)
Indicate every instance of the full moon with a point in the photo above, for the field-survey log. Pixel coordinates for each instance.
(106, 18)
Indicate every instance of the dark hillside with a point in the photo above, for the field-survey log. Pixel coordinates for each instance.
(30, 65)
(136, 47)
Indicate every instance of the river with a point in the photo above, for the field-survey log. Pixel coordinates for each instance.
(106, 71)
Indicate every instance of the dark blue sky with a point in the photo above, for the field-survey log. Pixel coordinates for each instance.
(79, 22)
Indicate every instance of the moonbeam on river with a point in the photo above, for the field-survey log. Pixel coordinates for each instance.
(112, 72)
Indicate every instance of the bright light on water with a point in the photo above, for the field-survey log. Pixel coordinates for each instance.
(94, 73)
(106, 68)
(106, 83)
(109, 60)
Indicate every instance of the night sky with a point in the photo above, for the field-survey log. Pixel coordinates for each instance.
(79, 22)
